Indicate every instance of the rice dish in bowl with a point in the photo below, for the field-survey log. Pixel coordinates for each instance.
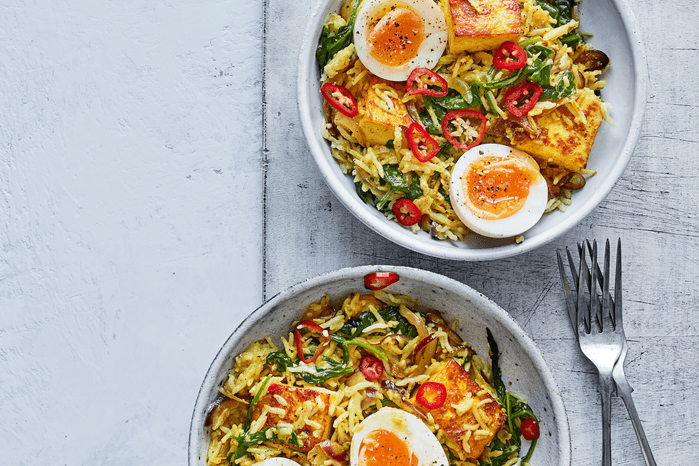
(399, 118)
(370, 166)
(359, 388)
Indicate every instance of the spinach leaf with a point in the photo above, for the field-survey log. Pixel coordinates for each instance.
(454, 101)
(395, 178)
(246, 440)
(539, 71)
(367, 196)
(444, 194)
(331, 370)
(280, 359)
(499, 387)
(560, 10)
(254, 401)
(356, 326)
(560, 90)
(390, 145)
(332, 42)
(404, 327)
(503, 82)
(442, 105)
(426, 119)
(514, 408)
(573, 39)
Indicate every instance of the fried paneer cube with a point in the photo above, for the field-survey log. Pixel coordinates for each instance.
(470, 416)
(565, 136)
(383, 111)
(476, 25)
(305, 410)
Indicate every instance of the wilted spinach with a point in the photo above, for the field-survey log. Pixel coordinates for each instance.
(539, 71)
(560, 90)
(246, 440)
(561, 11)
(426, 119)
(515, 408)
(331, 369)
(455, 101)
(366, 196)
(442, 105)
(444, 194)
(356, 326)
(330, 43)
(395, 178)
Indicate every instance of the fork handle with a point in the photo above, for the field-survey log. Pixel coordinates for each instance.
(605, 391)
(624, 391)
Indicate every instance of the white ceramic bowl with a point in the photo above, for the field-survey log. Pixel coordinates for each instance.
(615, 32)
(520, 361)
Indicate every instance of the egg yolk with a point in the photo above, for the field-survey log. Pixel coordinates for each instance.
(497, 187)
(384, 448)
(395, 37)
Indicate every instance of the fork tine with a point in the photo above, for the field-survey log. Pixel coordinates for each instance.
(570, 299)
(595, 304)
(583, 309)
(618, 320)
(601, 285)
(599, 272)
(606, 298)
(571, 265)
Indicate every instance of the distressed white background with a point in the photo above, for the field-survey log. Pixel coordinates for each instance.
(135, 192)
(129, 134)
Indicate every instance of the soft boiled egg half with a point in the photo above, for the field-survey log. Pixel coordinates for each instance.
(393, 37)
(278, 461)
(392, 437)
(498, 191)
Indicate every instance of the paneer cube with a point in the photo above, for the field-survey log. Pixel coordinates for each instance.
(565, 136)
(476, 25)
(470, 416)
(306, 410)
(383, 111)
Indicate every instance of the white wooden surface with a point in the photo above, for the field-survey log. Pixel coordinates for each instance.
(136, 186)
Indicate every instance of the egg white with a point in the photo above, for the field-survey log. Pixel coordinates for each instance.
(515, 224)
(278, 461)
(435, 27)
(408, 428)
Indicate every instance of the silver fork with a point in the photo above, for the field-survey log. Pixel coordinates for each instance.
(600, 341)
(622, 386)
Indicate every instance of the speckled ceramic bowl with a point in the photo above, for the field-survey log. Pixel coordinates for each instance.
(615, 32)
(521, 362)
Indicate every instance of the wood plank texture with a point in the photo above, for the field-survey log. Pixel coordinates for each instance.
(653, 209)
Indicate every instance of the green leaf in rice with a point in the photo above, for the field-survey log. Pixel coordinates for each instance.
(246, 440)
(565, 87)
(330, 43)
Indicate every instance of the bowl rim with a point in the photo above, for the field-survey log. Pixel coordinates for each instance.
(479, 299)
(440, 249)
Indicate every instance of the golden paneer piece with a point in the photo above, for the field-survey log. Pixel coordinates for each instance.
(382, 115)
(470, 416)
(306, 409)
(476, 25)
(565, 137)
